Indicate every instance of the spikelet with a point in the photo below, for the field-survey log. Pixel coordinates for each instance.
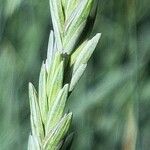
(66, 62)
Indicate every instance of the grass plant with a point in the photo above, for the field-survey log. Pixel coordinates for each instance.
(69, 50)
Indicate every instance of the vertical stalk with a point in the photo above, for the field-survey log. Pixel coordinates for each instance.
(133, 106)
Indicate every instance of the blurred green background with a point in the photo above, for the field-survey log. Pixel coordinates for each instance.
(111, 103)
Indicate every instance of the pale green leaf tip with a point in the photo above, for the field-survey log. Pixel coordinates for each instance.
(97, 36)
(30, 86)
(77, 75)
(69, 116)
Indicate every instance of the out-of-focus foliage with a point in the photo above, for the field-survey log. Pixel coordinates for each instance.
(110, 104)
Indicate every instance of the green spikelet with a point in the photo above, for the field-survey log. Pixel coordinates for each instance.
(48, 123)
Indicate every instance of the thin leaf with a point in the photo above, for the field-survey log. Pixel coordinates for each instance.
(42, 93)
(33, 143)
(56, 84)
(77, 52)
(76, 22)
(55, 64)
(87, 51)
(55, 113)
(56, 135)
(69, 46)
(35, 112)
(58, 21)
(51, 51)
(76, 76)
